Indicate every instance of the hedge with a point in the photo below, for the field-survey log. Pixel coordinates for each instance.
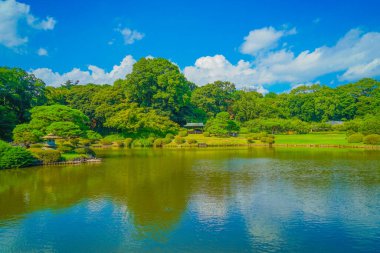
(48, 155)
(372, 139)
(355, 138)
(14, 157)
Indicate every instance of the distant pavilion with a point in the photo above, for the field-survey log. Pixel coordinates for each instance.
(194, 128)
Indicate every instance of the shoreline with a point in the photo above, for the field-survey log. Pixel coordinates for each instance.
(93, 160)
(336, 146)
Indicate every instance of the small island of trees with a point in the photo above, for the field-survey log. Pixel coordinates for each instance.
(152, 104)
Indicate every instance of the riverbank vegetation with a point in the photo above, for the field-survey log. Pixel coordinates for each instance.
(150, 106)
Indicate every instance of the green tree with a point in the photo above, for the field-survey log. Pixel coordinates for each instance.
(214, 97)
(43, 116)
(19, 91)
(64, 129)
(142, 122)
(159, 84)
(222, 124)
(26, 135)
(248, 106)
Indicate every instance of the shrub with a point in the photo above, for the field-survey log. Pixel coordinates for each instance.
(48, 155)
(244, 130)
(92, 135)
(128, 142)
(85, 142)
(118, 143)
(269, 140)
(182, 133)
(143, 142)
(350, 132)
(105, 142)
(206, 134)
(109, 139)
(169, 136)
(4, 146)
(166, 140)
(74, 142)
(158, 142)
(65, 149)
(80, 151)
(14, 157)
(85, 151)
(36, 145)
(179, 140)
(250, 140)
(191, 141)
(372, 139)
(355, 138)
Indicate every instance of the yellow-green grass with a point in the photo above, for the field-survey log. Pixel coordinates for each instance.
(315, 138)
(325, 138)
(212, 141)
(71, 156)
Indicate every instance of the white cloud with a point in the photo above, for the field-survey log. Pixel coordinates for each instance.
(212, 68)
(42, 52)
(263, 39)
(130, 36)
(365, 70)
(356, 54)
(14, 14)
(94, 74)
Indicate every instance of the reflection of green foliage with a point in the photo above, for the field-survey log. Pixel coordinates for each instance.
(156, 186)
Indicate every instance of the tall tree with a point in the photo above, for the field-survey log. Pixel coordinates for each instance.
(159, 84)
(19, 91)
(214, 97)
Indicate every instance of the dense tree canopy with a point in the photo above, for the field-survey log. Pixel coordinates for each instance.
(19, 92)
(159, 84)
(214, 97)
(138, 121)
(155, 98)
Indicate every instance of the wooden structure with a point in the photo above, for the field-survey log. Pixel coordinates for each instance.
(194, 128)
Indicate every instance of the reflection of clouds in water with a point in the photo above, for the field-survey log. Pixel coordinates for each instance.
(264, 209)
(272, 210)
(210, 209)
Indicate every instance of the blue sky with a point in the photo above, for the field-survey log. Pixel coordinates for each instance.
(269, 45)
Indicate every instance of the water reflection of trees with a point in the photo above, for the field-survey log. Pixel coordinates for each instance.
(156, 186)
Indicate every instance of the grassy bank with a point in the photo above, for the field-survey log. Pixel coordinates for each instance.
(312, 140)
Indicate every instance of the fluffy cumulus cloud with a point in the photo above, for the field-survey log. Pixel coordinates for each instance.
(130, 36)
(13, 15)
(93, 74)
(212, 68)
(354, 56)
(263, 39)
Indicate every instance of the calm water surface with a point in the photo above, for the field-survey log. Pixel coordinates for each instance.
(202, 200)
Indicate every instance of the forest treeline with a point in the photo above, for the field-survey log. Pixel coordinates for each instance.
(156, 99)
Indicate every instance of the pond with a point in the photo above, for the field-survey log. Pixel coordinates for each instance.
(196, 200)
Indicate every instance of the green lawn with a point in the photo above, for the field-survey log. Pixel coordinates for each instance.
(315, 138)
(70, 156)
(213, 141)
